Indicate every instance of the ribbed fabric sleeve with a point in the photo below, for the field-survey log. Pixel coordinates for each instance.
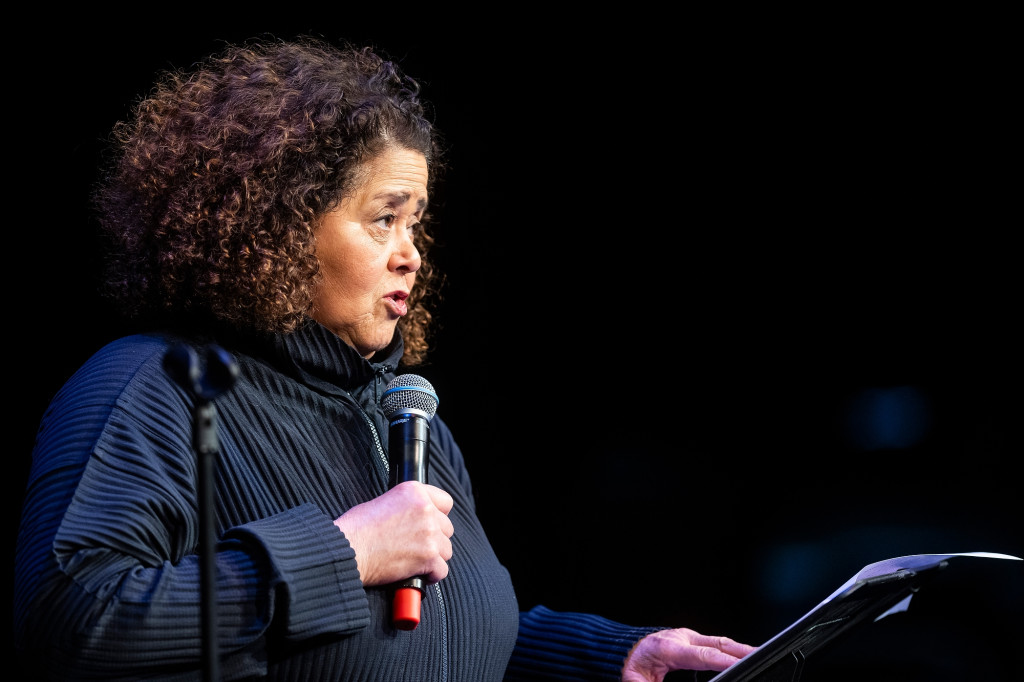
(555, 645)
(318, 588)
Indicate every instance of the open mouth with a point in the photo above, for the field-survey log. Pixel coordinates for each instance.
(397, 302)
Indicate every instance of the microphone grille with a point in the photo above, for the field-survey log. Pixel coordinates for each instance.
(409, 391)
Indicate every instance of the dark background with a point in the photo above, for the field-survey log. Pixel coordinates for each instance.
(732, 305)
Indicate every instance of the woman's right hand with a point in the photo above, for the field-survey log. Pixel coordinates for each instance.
(403, 533)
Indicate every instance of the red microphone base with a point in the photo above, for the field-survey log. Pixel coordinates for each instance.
(406, 603)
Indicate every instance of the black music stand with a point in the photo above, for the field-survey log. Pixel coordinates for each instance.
(876, 591)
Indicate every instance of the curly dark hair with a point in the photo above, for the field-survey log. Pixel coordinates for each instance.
(215, 183)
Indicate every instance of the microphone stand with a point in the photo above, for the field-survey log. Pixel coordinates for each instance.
(205, 383)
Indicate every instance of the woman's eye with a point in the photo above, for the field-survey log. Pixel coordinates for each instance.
(385, 220)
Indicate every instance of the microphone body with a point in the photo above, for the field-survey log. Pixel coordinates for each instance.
(409, 402)
(408, 435)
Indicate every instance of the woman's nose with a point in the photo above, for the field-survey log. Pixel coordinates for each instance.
(406, 256)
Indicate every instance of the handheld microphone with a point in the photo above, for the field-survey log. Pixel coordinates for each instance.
(409, 402)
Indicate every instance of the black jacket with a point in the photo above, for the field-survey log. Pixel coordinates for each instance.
(107, 571)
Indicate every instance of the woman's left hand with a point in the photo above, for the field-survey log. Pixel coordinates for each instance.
(661, 652)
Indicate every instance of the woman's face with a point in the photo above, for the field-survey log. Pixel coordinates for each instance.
(366, 251)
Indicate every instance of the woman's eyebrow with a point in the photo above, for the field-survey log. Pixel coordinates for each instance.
(399, 198)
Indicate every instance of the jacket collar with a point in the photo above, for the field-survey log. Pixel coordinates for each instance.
(319, 358)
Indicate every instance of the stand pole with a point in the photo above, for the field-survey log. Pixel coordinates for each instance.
(205, 383)
(207, 448)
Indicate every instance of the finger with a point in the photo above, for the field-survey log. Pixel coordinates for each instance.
(447, 527)
(724, 644)
(731, 646)
(440, 498)
(438, 570)
(685, 649)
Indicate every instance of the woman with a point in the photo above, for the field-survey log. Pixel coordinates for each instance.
(270, 205)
